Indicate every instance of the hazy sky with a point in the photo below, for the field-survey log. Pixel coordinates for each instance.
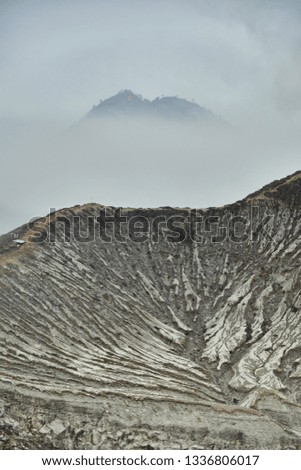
(239, 58)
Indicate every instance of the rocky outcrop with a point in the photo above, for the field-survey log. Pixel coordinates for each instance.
(167, 328)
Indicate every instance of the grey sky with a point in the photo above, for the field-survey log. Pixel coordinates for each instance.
(238, 58)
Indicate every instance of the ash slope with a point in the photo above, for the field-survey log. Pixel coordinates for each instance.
(156, 344)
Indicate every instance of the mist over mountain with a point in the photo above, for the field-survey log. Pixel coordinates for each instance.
(130, 151)
(127, 103)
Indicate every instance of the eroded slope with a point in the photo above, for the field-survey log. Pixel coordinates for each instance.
(207, 322)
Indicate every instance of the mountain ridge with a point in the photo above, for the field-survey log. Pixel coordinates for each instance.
(127, 103)
(269, 191)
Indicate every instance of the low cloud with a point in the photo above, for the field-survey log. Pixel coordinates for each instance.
(139, 163)
(238, 58)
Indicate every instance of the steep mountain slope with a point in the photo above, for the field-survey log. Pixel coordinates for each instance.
(155, 328)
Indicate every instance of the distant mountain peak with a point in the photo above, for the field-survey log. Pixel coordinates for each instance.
(126, 102)
(128, 93)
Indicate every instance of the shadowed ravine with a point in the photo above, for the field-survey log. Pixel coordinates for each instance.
(161, 343)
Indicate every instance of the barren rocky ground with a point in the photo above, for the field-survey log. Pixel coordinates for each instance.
(187, 338)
